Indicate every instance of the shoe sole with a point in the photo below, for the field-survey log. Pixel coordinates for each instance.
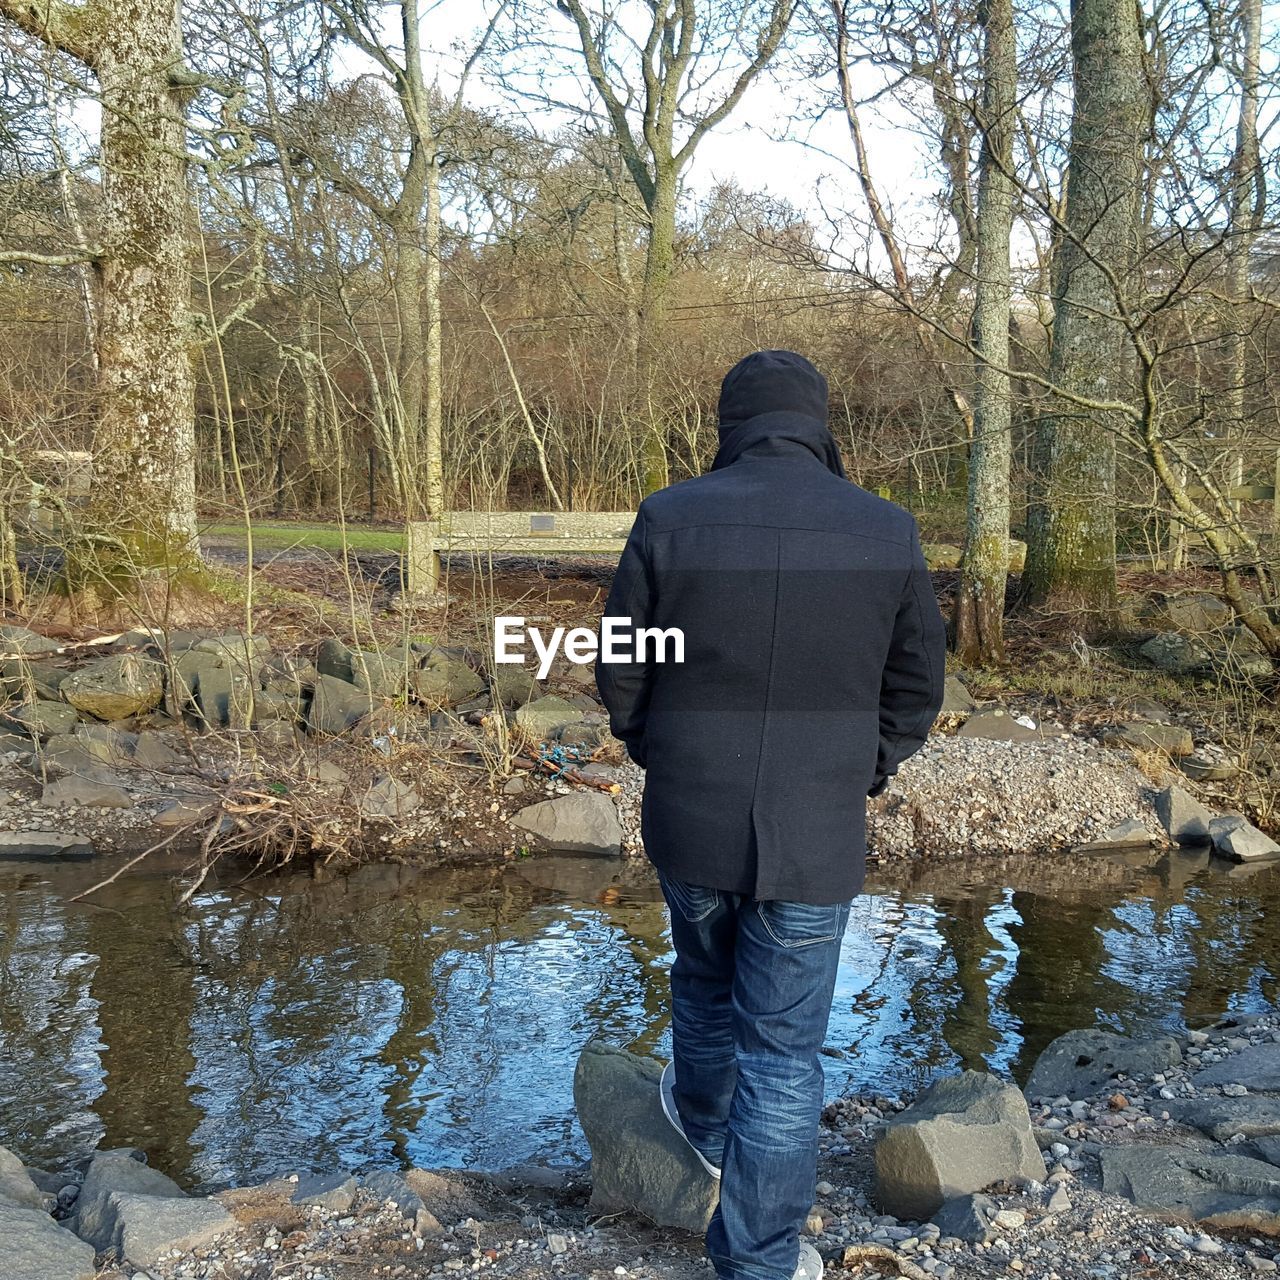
(673, 1116)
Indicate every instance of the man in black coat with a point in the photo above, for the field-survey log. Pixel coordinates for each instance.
(813, 667)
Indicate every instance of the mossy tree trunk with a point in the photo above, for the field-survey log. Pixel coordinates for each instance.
(979, 610)
(1071, 561)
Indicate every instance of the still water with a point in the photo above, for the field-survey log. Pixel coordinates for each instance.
(433, 1018)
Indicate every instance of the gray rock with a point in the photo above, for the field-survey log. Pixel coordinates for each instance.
(444, 680)
(1082, 1063)
(33, 679)
(1235, 838)
(1265, 1148)
(581, 822)
(16, 1186)
(185, 671)
(113, 1173)
(1223, 1118)
(15, 744)
(389, 799)
(516, 785)
(1172, 739)
(271, 706)
(144, 1227)
(333, 1191)
(969, 1218)
(1257, 1068)
(956, 699)
(288, 673)
(106, 743)
(333, 658)
(1215, 1188)
(43, 719)
(387, 1184)
(34, 1247)
(185, 811)
(541, 718)
(24, 846)
(961, 1135)
(1201, 766)
(336, 705)
(90, 793)
(224, 696)
(15, 639)
(234, 648)
(1140, 708)
(1132, 833)
(385, 675)
(115, 688)
(152, 750)
(997, 725)
(513, 685)
(1184, 818)
(638, 1161)
(1178, 654)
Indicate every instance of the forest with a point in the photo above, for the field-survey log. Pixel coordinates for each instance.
(385, 260)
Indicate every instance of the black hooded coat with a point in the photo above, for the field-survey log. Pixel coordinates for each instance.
(813, 650)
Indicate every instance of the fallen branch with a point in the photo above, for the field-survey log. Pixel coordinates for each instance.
(569, 774)
(856, 1254)
(66, 648)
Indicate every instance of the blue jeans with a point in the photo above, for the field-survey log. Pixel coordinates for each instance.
(751, 992)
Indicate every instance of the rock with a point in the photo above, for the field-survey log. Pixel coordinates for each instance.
(1132, 833)
(516, 785)
(15, 639)
(115, 688)
(1266, 1148)
(1059, 1201)
(444, 680)
(447, 1199)
(67, 753)
(270, 706)
(224, 696)
(385, 675)
(1195, 614)
(1140, 708)
(581, 822)
(113, 1173)
(333, 1191)
(541, 718)
(1215, 1188)
(106, 742)
(289, 674)
(34, 1247)
(144, 1228)
(33, 679)
(152, 751)
(1223, 1118)
(1082, 1063)
(15, 744)
(961, 1135)
(1172, 739)
(336, 705)
(638, 1161)
(1184, 819)
(22, 846)
(956, 699)
(1178, 654)
(389, 799)
(1233, 837)
(1257, 1068)
(1202, 766)
(16, 1186)
(387, 1184)
(969, 1218)
(89, 793)
(43, 719)
(333, 658)
(184, 678)
(998, 725)
(185, 811)
(236, 649)
(513, 685)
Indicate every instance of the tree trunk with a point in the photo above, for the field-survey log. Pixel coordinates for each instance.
(979, 612)
(1071, 562)
(433, 406)
(659, 265)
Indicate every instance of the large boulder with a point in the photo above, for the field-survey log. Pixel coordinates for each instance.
(225, 696)
(1223, 1118)
(1177, 654)
(963, 1134)
(139, 1213)
(1082, 1063)
(34, 1247)
(43, 719)
(385, 675)
(1145, 735)
(1184, 818)
(1235, 838)
(1219, 1189)
(638, 1161)
(16, 1186)
(115, 688)
(582, 822)
(1257, 1068)
(336, 705)
(445, 679)
(36, 846)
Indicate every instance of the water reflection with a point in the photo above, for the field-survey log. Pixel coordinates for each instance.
(433, 1018)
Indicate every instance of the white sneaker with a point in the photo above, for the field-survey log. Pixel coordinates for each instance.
(668, 1086)
(809, 1267)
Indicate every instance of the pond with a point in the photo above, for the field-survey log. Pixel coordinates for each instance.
(403, 1016)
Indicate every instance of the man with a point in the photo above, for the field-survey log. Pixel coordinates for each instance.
(813, 667)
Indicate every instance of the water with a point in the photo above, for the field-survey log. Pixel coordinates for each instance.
(402, 1016)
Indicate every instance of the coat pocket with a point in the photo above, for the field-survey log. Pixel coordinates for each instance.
(694, 901)
(801, 924)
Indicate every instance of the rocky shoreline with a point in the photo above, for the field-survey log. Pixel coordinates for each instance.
(1126, 1159)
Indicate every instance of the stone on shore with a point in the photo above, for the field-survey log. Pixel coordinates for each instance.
(115, 688)
(23, 846)
(388, 1185)
(1215, 1188)
(34, 1247)
(1234, 837)
(16, 1187)
(77, 791)
(1172, 739)
(999, 725)
(333, 1191)
(43, 719)
(336, 705)
(513, 685)
(638, 1160)
(1184, 818)
(956, 698)
(1257, 1068)
(1084, 1062)
(1132, 833)
(1223, 1118)
(969, 1218)
(963, 1134)
(444, 680)
(112, 1173)
(582, 822)
(541, 718)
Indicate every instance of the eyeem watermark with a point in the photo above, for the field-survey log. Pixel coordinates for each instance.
(616, 641)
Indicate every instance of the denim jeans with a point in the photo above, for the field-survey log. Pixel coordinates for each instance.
(751, 992)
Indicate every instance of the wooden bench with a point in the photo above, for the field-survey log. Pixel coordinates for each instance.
(531, 533)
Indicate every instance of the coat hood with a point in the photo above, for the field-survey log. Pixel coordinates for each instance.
(775, 396)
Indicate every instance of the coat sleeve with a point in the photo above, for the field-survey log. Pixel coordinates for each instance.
(911, 686)
(625, 686)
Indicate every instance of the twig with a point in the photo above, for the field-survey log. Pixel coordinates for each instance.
(133, 862)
